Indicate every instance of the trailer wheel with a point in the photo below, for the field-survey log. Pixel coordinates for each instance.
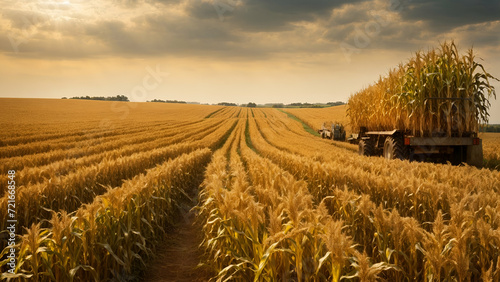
(395, 149)
(366, 148)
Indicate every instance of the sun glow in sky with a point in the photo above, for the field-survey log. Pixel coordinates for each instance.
(230, 50)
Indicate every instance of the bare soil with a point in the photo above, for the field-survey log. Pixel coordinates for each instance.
(179, 257)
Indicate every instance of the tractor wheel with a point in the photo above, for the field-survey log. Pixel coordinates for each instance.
(366, 148)
(395, 149)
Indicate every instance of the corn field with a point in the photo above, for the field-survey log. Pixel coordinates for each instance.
(275, 203)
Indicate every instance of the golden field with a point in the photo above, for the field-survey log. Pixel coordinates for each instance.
(98, 184)
(315, 117)
(491, 147)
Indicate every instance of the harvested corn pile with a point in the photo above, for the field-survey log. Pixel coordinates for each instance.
(437, 93)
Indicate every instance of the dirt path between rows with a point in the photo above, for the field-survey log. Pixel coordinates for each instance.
(179, 257)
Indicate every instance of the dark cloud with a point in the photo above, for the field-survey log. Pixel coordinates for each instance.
(263, 15)
(159, 34)
(115, 34)
(137, 3)
(127, 3)
(166, 2)
(25, 19)
(445, 15)
(207, 10)
(484, 35)
(413, 25)
(350, 14)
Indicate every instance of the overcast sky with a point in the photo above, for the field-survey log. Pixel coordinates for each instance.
(229, 50)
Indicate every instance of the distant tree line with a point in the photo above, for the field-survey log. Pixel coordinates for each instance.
(338, 103)
(167, 101)
(122, 98)
(317, 105)
(226, 104)
(491, 128)
(305, 105)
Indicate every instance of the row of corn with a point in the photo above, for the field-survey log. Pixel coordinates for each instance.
(441, 92)
(69, 192)
(92, 144)
(76, 139)
(54, 132)
(110, 151)
(418, 194)
(116, 233)
(34, 149)
(31, 175)
(261, 224)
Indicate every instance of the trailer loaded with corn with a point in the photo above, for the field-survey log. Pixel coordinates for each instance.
(429, 108)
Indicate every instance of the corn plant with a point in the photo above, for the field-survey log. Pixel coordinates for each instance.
(438, 92)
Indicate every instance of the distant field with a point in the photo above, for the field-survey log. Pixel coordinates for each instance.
(491, 149)
(316, 117)
(98, 184)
